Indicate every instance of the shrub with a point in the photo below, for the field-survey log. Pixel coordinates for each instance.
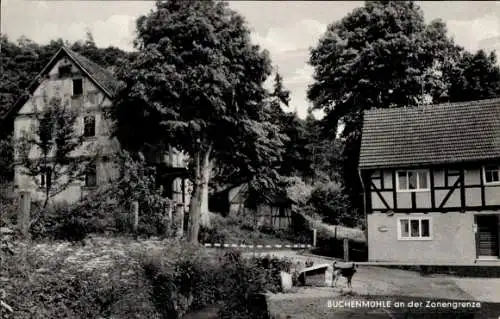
(7, 235)
(137, 183)
(9, 209)
(211, 235)
(332, 204)
(42, 287)
(181, 282)
(188, 281)
(62, 221)
(247, 279)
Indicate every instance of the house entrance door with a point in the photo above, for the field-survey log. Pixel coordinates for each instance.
(487, 236)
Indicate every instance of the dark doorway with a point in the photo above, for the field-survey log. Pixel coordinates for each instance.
(487, 236)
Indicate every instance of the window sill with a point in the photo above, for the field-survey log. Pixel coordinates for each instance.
(487, 258)
(492, 184)
(89, 188)
(413, 190)
(415, 238)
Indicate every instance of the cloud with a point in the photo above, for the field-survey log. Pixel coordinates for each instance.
(117, 30)
(111, 22)
(301, 76)
(105, 31)
(289, 48)
(289, 38)
(473, 34)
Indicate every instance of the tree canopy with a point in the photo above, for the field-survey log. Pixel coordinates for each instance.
(197, 85)
(384, 55)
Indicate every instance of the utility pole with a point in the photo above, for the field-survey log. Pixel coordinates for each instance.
(422, 86)
(422, 90)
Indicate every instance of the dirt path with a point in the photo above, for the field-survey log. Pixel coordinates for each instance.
(373, 281)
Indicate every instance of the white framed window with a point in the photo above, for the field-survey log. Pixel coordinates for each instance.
(413, 181)
(414, 228)
(491, 174)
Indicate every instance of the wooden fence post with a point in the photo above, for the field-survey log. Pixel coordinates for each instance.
(23, 216)
(314, 237)
(346, 249)
(135, 217)
(167, 218)
(179, 216)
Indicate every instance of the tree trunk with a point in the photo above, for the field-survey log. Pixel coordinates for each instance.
(47, 186)
(46, 201)
(206, 170)
(194, 214)
(198, 214)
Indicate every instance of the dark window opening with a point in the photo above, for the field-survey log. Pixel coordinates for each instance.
(491, 174)
(412, 180)
(64, 71)
(45, 177)
(425, 231)
(89, 126)
(91, 176)
(77, 87)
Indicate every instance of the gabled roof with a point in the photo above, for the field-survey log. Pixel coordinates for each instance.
(430, 135)
(273, 198)
(101, 77)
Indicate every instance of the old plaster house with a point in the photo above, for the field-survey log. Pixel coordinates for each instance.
(90, 89)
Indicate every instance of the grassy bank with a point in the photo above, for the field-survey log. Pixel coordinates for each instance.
(124, 278)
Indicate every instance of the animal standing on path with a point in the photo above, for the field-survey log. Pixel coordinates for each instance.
(345, 271)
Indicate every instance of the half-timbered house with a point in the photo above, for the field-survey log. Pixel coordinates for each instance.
(431, 178)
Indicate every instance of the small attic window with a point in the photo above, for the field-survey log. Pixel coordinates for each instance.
(77, 87)
(64, 71)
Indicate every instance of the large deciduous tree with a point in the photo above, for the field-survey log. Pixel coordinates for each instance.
(197, 85)
(380, 55)
(475, 76)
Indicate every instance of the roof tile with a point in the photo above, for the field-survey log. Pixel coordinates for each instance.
(102, 76)
(434, 134)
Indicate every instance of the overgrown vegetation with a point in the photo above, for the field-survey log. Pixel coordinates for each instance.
(108, 208)
(242, 230)
(189, 282)
(126, 279)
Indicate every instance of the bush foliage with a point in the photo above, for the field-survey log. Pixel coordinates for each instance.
(107, 209)
(188, 282)
(40, 288)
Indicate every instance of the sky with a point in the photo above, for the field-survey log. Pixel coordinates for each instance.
(286, 28)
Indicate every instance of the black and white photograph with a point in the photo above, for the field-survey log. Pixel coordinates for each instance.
(203, 159)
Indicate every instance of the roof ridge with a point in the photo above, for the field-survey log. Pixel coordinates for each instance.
(87, 60)
(431, 134)
(100, 75)
(480, 102)
(103, 78)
